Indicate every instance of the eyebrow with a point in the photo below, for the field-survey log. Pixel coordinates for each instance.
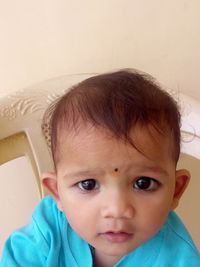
(157, 169)
(91, 174)
(80, 174)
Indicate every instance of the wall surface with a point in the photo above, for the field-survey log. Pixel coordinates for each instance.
(43, 39)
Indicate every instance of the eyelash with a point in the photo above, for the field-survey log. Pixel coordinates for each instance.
(150, 184)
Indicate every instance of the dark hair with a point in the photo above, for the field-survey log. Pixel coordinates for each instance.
(116, 101)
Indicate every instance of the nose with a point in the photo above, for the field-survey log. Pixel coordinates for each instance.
(118, 205)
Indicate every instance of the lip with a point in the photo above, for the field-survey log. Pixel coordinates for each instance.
(117, 237)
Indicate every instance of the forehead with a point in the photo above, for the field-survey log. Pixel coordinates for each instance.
(93, 142)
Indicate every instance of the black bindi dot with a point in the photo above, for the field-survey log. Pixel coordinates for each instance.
(116, 169)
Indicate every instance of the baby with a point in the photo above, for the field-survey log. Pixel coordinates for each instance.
(115, 141)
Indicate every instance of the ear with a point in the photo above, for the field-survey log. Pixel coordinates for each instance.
(49, 180)
(182, 180)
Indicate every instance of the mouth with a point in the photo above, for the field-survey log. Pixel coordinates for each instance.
(117, 237)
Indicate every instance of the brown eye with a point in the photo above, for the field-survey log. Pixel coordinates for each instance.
(88, 185)
(146, 183)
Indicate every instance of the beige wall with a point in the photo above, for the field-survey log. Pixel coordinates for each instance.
(44, 39)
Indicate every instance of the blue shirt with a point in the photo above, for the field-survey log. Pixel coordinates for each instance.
(50, 241)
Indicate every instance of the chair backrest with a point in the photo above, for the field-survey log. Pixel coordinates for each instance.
(21, 136)
(24, 150)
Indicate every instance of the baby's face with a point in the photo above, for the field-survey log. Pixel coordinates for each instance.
(115, 197)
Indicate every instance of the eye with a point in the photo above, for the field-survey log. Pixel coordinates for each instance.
(88, 185)
(146, 184)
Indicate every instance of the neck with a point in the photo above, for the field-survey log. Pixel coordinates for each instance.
(104, 260)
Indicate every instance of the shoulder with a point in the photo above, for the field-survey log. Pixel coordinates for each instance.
(46, 206)
(62, 240)
(34, 244)
(47, 212)
(177, 230)
(49, 222)
(178, 248)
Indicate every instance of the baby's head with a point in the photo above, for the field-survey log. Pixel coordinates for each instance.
(115, 142)
(116, 102)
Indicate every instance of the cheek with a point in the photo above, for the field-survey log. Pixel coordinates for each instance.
(82, 221)
(78, 215)
(164, 198)
(74, 216)
(150, 222)
(153, 212)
